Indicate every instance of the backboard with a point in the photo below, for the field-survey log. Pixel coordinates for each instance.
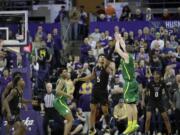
(14, 28)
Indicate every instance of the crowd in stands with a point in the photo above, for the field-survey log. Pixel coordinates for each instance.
(110, 14)
(152, 49)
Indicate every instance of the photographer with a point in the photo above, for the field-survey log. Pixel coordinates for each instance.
(120, 116)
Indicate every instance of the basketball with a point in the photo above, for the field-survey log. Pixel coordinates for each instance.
(110, 10)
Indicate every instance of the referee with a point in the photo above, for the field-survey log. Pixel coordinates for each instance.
(47, 107)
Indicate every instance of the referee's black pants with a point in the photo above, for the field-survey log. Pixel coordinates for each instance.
(49, 115)
(177, 120)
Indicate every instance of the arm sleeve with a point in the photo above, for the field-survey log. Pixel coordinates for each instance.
(109, 56)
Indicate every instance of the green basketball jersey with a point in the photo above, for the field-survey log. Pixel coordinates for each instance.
(128, 70)
(64, 89)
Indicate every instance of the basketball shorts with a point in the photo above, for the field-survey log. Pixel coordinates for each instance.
(131, 93)
(61, 107)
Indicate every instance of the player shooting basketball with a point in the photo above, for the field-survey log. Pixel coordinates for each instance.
(130, 86)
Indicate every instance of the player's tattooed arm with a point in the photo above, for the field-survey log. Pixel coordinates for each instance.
(87, 78)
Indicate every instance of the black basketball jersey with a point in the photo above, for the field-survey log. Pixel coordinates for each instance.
(14, 103)
(102, 78)
(156, 91)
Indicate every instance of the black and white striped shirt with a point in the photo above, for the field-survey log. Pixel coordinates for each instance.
(48, 100)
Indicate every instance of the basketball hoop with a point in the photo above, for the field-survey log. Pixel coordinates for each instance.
(12, 49)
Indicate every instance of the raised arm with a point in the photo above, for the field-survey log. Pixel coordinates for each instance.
(122, 43)
(87, 78)
(118, 50)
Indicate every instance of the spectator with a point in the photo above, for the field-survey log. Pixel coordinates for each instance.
(34, 71)
(176, 101)
(82, 24)
(169, 79)
(146, 35)
(152, 32)
(178, 53)
(84, 103)
(168, 48)
(96, 35)
(85, 48)
(161, 31)
(40, 33)
(49, 41)
(91, 42)
(99, 50)
(173, 63)
(44, 57)
(116, 89)
(61, 15)
(99, 11)
(120, 116)
(157, 43)
(138, 16)
(126, 14)
(63, 18)
(107, 36)
(104, 42)
(142, 55)
(131, 37)
(102, 18)
(166, 36)
(127, 40)
(38, 43)
(141, 72)
(173, 43)
(78, 122)
(116, 29)
(74, 16)
(156, 63)
(86, 69)
(79, 73)
(166, 15)
(50, 45)
(149, 16)
(139, 34)
(57, 48)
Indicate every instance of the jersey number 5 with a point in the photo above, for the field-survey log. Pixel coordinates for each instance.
(98, 79)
